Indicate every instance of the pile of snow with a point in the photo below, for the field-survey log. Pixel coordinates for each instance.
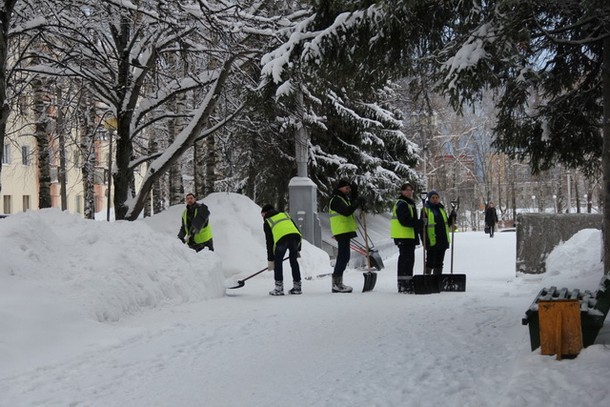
(105, 270)
(576, 262)
(108, 270)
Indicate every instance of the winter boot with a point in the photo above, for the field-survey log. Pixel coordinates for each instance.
(279, 288)
(339, 287)
(296, 288)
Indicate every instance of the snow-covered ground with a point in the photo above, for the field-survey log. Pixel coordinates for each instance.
(122, 314)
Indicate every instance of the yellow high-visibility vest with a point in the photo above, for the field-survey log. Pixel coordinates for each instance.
(340, 224)
(397, 230)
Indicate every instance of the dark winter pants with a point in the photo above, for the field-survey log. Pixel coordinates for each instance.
(292, 245)
(199, 247)
(492, 227)
(406, 260)
(343, 255)
(435, 257)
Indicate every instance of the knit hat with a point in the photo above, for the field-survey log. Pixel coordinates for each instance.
(343, 183)
(267, 208)
(432, 192)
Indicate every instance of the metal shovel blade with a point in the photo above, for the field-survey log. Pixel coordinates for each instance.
(240, 284)
(375, 259)
(370, 279)
(453, 282)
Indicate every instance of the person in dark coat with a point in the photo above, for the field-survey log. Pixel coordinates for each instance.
(195, 229)
(491, 218)
(343, 204)
(282, 234)
(404, 229)
(436, 230)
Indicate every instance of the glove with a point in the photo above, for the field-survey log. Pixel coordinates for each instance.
(270, 265)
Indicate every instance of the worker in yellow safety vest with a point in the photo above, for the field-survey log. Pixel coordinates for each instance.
(436, 231)
(343, 227)
(195, 229)
(404, 229)
(281, 235)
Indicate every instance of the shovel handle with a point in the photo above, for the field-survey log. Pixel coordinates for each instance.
(256, 274)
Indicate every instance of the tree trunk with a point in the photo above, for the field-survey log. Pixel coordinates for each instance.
(210, 166)
(198, 168)
(175, 126)
(606, 153)
(87, 149)
(61, 140)
(41, 123)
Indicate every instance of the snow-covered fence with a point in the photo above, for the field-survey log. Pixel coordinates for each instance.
(539, 233)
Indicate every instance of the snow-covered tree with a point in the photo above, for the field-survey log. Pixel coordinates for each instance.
(123, 53)
(355, 129)
(551, 61)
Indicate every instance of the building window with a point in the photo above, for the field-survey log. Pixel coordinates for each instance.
(7, 204)
(25, 155)
(6, 155)
(26, 202)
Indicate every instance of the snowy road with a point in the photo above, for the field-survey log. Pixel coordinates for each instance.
(321, 349)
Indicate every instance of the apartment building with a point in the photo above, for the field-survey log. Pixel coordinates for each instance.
(20, 175)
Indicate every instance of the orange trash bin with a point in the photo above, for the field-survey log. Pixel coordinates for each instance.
(560, 328)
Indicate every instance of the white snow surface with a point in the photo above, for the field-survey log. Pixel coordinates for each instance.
(122, 314)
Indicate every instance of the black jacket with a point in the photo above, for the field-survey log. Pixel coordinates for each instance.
(346, 207)
(403, 214)
(194, 223)
(491, 216)
(439, 228)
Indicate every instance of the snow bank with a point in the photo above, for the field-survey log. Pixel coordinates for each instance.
(105, 270)
(576, 262)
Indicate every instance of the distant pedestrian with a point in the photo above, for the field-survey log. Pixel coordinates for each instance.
(195, 229)
(437, 232)
(404, 229)
(343, 226)
(281, 235)
(491, 218)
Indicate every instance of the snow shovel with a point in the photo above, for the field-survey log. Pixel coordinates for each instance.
(241, 283)
(374, 257)
(453, 282)
(425, 283)
(370, 278)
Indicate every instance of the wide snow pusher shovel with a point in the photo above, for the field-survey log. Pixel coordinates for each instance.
(241, 283)
(453, 282)
(370, 277)
(425, 283)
